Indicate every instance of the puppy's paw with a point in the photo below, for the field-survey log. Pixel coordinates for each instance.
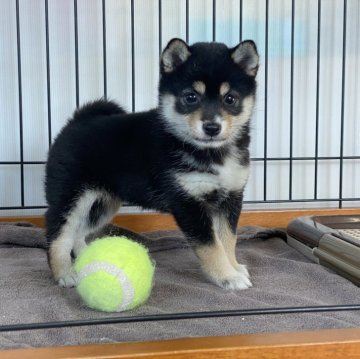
(225, 273)
(68, 280)
(233, 281)
(240, 281)
(241, 268)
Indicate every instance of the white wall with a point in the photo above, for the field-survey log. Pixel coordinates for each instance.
(62, 71)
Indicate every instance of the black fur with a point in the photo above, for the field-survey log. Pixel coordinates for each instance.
(96, 211)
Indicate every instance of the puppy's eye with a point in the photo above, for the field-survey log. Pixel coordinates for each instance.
(191, 98)
(229, 99)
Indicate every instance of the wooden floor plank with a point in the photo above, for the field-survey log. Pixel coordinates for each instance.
(339, 343)
(154, 221)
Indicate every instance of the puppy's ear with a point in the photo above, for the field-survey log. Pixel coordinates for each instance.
(246, 56)
(175, 54)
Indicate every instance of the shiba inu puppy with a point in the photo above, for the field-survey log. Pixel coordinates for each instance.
(188, 157)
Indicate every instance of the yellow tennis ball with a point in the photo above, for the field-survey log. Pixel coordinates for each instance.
(114, 274)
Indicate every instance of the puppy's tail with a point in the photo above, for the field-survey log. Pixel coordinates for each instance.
(97, 108)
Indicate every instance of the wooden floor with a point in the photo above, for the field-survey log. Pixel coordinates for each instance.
(154, 222)
(340, 343)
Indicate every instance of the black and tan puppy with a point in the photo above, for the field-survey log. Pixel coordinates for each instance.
(188, 157)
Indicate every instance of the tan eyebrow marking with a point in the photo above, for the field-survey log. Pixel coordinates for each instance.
(199, 87)
(224, 88)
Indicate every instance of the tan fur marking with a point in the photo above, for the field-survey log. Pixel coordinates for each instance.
(195, 123)
(194, 116)
(234, 123)
(215, 263)
(228, 120)
(199, 87)
(226, 237)
(224, 88)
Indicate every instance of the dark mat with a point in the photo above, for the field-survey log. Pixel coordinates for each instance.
(281, 277)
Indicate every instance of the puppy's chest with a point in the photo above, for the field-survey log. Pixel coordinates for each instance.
(228, 177)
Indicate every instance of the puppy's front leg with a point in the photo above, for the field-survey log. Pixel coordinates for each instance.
(225, 221)
(197, 223)
(227, 237)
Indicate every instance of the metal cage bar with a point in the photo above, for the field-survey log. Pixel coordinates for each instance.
(266, 157)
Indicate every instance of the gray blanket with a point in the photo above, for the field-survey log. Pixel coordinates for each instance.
(281, 277)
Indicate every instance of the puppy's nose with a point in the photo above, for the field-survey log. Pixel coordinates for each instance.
(211, 128)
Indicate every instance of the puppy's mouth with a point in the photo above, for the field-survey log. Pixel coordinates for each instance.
(210, 141)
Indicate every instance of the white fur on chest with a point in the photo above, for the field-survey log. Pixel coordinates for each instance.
(231, 176)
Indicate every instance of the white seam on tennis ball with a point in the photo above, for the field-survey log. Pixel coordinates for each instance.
(124, 282)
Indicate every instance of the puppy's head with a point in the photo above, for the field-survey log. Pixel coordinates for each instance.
(207, 91)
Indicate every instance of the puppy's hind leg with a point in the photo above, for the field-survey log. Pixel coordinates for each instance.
(60, 256)
(102, 210)
(91, 211)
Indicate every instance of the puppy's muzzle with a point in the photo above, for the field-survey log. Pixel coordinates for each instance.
(211, 129)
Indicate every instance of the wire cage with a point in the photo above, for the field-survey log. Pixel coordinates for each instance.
(57, 55)
(305, 149)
